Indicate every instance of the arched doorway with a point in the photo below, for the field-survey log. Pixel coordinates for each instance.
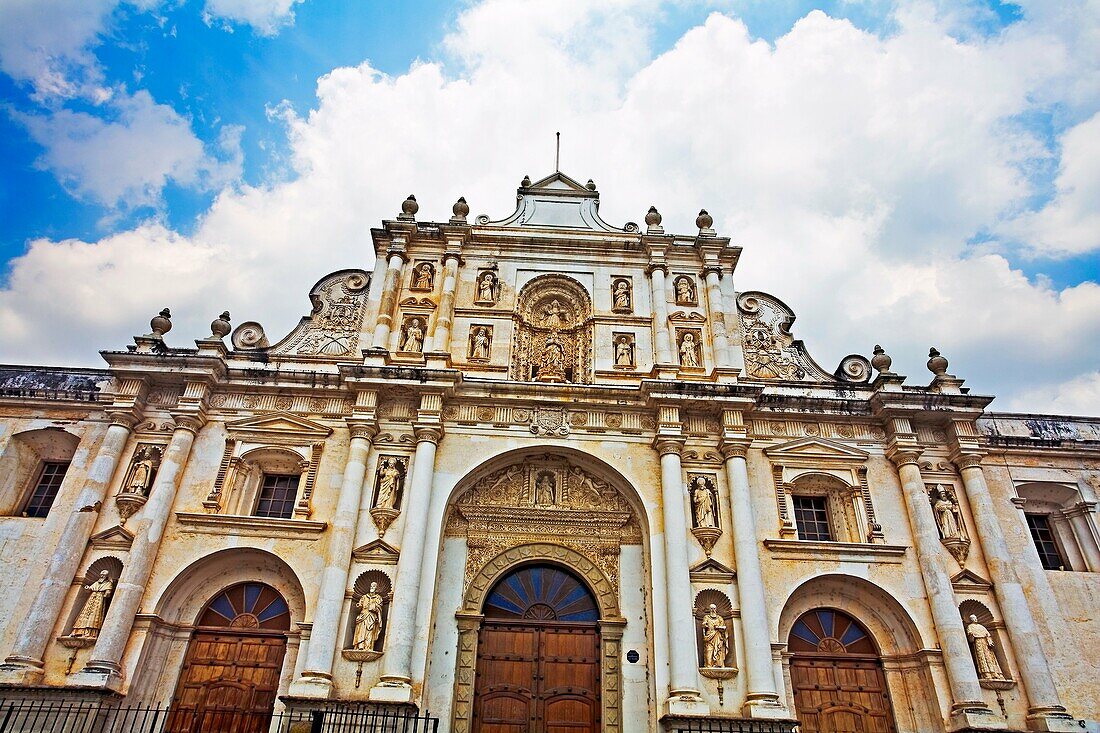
(538, 655)
(836, 675)
(231, 672)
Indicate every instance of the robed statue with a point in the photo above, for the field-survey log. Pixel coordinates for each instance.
(389, 481)
(988, 666)
(368, 624)
(90, 619)
(716, 644)
(702, 501)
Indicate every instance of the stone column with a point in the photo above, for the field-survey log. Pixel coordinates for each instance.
(661, 337)
(762, 699)
(24, 663)
(441, 333)
(966, 693)
(1079, 519)
(397, 666)
(104, 668)
(717, 318)
(1046, 711)
(683, 662)
(316, 677)
(388, 300)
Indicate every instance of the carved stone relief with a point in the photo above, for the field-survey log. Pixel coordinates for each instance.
(388, 491)
(487, 288)
(690, 341)
(412, 334)
(624, 350)
(686, 291)
(423, 277)
(481, 342)
(622, 296)
(331, 330)
(553, 334)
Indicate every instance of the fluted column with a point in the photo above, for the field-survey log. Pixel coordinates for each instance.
(316, 677)
(397, 665)
(762, 699)
(1083, 529)
(966, 693)
(444, 320)
(105, 665)
(717, 318)
(36, 627)
(1035, 674)
(661, 337)
(388, 300)
(683, 663)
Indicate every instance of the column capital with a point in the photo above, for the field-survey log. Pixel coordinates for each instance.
(1080, 509)
(665, 445)
(190, 422)
(903, 455)
(123, 418)
(712, 268)
(362, 429)
(734, 447)
(397, 250)
(968, 459)
(428, 433)
(452, 254)
(653, 266)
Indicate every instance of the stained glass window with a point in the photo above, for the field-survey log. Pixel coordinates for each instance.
(543, 593)
(828, 631)
(247, 605)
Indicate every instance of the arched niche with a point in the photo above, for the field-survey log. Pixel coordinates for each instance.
(113, 568)
(22, 461)
(362, 586)
(984, 616)
(553, 331)
(704, 599)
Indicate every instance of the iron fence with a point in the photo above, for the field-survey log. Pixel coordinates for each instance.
(81, 717)
(730, 725)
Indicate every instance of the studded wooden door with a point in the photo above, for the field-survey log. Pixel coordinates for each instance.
(538, 656)
(234, 661)
(837, 677)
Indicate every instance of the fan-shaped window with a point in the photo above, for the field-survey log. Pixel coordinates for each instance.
(542, 593)
(247, 606)
(827, 631)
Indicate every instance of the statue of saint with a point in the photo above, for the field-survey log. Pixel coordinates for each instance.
(424, 276)
(414, 336)
(622, 296)
(689, 351)
(988, 666)
(90, 619)
(142, 476)
(479, 349)
(544, 490)
(947, 515)
(389, 481)
(716, 643)
(486, 288)
(552, 363)
(702, 499)
(624, 352)
(685, 291)
(368, 624)
(554, 314)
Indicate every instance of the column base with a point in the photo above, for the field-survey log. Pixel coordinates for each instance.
(392, 689)
(974, 719)
(98, 675)
(1053, 718)
(22, 671)
(686, 703)
(768, 708)
(311, 685)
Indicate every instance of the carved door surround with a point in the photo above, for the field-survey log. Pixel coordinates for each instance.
(553, 331)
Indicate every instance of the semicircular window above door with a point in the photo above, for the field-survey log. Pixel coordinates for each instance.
(542, 593)
(247, 606)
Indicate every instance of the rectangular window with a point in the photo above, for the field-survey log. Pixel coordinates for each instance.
(45, 490)
(277, 496)
(1043, 537)
(811, 514)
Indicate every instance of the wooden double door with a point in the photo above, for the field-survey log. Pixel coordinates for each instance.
(537, 678)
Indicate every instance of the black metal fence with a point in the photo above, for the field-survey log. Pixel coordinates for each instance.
(730, 725)
(80, 717)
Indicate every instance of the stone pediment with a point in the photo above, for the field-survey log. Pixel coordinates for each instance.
(814, 450)
(968, 580)
(114, 538)
(557, 202)
(712, 571)
(277, 425)
(377, 551)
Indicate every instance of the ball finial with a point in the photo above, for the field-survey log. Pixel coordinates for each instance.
(461, 209)
(704, 220)
(526, 181)
(591, 185)
(220, 326)
(161, 323)
(937, 364)
(409, 207)
(881, 361)
(653, 217)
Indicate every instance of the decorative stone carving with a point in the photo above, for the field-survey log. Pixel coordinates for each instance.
(332, 330)
(624, 350)
(553, 333)
(368, 622)
(716, 644)
(423, 277)
(989, 668)
(704, 511)
(690, 339)
(389, 487)
(412, 335)
(713, 618)
(90, 619)
(139, 480)
(481, 341)
(686, 292)
(622, 297)
(487, 289)
(949, 522)
(549, 421)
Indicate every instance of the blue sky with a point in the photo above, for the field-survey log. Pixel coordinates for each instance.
(169, 132)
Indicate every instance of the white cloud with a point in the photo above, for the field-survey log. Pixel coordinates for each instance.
(127, 161)
(265, 16)
(852, 167)
(1078, 396)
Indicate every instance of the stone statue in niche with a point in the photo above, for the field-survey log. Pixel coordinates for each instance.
(624, 351)
(144, 470)
(716, 643)
(551, 361)
(621, 300)
(988, 666)
(685, 291)
(390, 477)
(414, 336)
(480, 342)
(555, 315)
(689, 351)
(90, 619)
(702, 502)
(423, 276)
(368, 624)
(948, 516)
(486, 289)
(544, 489)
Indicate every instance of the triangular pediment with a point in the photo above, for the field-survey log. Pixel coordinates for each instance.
(558, 181)
(115, 538)
(282, 424)
(377, 551)
(815, 448)
(969, 580)
(711, 571)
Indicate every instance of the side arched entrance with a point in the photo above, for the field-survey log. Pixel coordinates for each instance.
(538, 655)
(837, 676)
(231, 671)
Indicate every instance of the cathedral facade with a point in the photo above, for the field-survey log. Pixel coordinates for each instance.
(544, 473)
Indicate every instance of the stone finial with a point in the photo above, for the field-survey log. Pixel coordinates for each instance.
(409, 207)
(881, 361)
(161, 323)
(461, 209)
(936, 363)
(526, 181)
(653, 217)
(591, 185)
(220, 326)
(704, 220)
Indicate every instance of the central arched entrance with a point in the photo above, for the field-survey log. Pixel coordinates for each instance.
(836, 675)
(234, 660)
(538, 655)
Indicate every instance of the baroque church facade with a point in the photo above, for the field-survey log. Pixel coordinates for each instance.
(545, 473)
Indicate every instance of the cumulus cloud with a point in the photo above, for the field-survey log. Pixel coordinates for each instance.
(265, 16)
(853, 167)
